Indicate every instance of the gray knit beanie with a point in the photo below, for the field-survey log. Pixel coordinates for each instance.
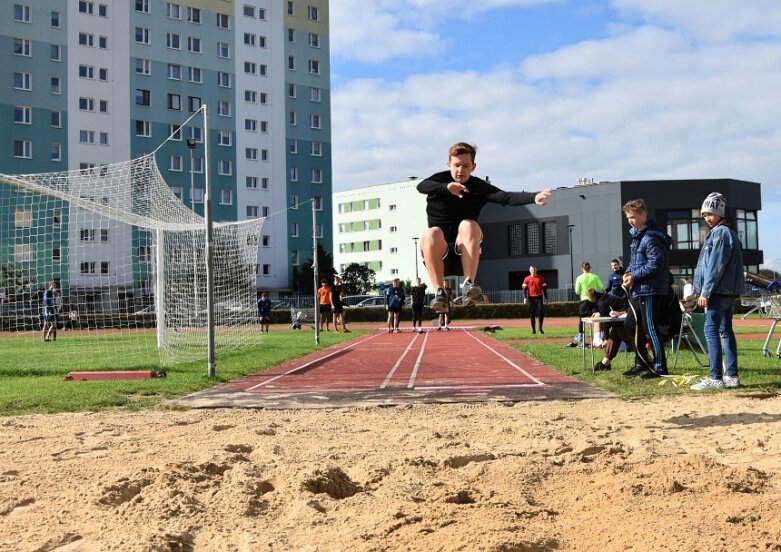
(714, 203)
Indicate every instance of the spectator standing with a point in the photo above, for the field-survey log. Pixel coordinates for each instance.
(535, 293)
(587, 280)
(324, 304)
(719, 281)
(49, 312)
(418, 302)
(616, 278)
(394, 300)
(647, 277)
(337, 305)
(73, 317)
(264, 312)
(688, 287)
(444, 316)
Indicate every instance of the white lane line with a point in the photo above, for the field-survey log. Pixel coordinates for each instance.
(310, 363)
(411, 384)
(398, 362)
(466, 387)
(507, 360)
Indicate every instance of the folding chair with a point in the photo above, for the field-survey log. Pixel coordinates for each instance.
(686, 332)
(775, 316)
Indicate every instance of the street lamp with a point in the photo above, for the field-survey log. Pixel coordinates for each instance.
(571, 263)
(415, 252)
(191, 146)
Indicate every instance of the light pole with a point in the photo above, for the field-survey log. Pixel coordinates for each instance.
(571, 263)
(415, 252)
(191, 146)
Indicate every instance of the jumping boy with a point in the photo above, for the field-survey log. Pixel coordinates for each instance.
(453, 204)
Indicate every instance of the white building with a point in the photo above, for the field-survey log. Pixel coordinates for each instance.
(379, 227)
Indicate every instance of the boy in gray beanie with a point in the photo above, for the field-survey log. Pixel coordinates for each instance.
(719, 280)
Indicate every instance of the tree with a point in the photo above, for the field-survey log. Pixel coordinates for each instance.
(357, 279)
(303, 276)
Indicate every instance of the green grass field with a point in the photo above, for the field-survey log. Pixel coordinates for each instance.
(32, 373)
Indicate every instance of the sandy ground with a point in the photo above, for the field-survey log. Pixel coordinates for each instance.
(686, 473)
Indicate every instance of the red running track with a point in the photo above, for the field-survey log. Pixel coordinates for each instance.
(383, 369)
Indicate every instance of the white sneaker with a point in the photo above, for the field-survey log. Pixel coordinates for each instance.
(731, 381)
(708, 385)
(420, 330)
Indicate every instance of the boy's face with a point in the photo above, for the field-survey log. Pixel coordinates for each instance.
(532, 270)
(614, 266)
(461, 167)
(710, 219)
(636, 219)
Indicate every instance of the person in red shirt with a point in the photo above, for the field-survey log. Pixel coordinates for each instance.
(535, 293)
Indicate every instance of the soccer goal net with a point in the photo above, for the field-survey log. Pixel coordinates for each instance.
(116, 262)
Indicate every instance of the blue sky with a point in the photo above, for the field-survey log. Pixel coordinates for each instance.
(554, 90)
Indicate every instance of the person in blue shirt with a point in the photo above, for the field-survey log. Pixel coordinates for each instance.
(264, 312)
(719, 280)
(616, 278)
(394, 300)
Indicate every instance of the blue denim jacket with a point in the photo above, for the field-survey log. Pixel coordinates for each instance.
(650, 260)
(720, 266)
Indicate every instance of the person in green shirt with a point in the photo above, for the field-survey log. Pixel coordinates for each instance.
(587, 280)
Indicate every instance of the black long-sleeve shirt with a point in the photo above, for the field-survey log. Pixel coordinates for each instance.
(444, 208)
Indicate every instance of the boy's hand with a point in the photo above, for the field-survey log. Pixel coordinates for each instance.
(457, 189)
(542, 197)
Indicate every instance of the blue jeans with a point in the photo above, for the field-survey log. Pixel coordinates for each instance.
(718, 334)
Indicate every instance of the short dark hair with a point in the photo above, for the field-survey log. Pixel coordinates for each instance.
(615, 261)
(635, 205)
(461, 148)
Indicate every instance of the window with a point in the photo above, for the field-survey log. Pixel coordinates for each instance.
(55, 85)
(265, 240)
(264, 154)
(294, 201)
(21, 47)
(23, 115)
(173, 41)
(23, 253)
(57, 119)
(532, 238)
(175, 132)
(197, 165)
(250, 125)
(291, 8)
(223, 50)
(291, 63)
(225, 167)
(314, 40)
(394, 229)
(266, 270)
(103, 106)
(318, 230)
(262, 14)
(515, 240)
(56, 52)
(103, 138)
(291, 35)
(292, 90)
(314, 67)
(194, 15)
(102, 10)
(174, 11)
(251, 154)
(746, 225)
(317, 201)
(264, 211)
(22, 81)
(104, 235)
(196, 133)
(86, 7)
(194, 103)
(56, 152)
(56, 253)
(293, 174)
(197, 195)
(87, 267)
(87, 136)
(226, 197)
(23, 149)
(292, 146)
(174, 102)
(144, 128)
(103, 42)
(55, 19)
(194, 44)
(317, 176)
(144, 254)
(22, 13)
(86, 72)
(143, 66)
(174, 71)
(250, 68)
(223, 108)
(291, 118)
(143, 97)
(249, 10)
(264, 183)
(313, 13)
(249, 39)
(142, 6)
(315, 121)
(23, 218)
(250, 96)
(223, 21)
(316, 149)
(549, 238)
(315, 94)
(86, 39)
(142, 35)
(686, 229)
(294, 229)
(175, 163)
(252, 211)
(251, 182)
(294, 258)
(264, 126)
(87, 234)
(263, 98)
(224, 137)
(194, 74)
(223, 79)
(103, 74)
(261, 41)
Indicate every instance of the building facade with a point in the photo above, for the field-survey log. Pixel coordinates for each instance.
(90, 83)
(376, 226)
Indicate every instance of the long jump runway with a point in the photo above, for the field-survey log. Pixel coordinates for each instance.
(459, 366)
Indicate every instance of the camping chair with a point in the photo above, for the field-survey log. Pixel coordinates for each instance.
(686, 332)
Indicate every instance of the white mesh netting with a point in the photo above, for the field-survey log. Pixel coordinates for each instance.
(128, 263)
